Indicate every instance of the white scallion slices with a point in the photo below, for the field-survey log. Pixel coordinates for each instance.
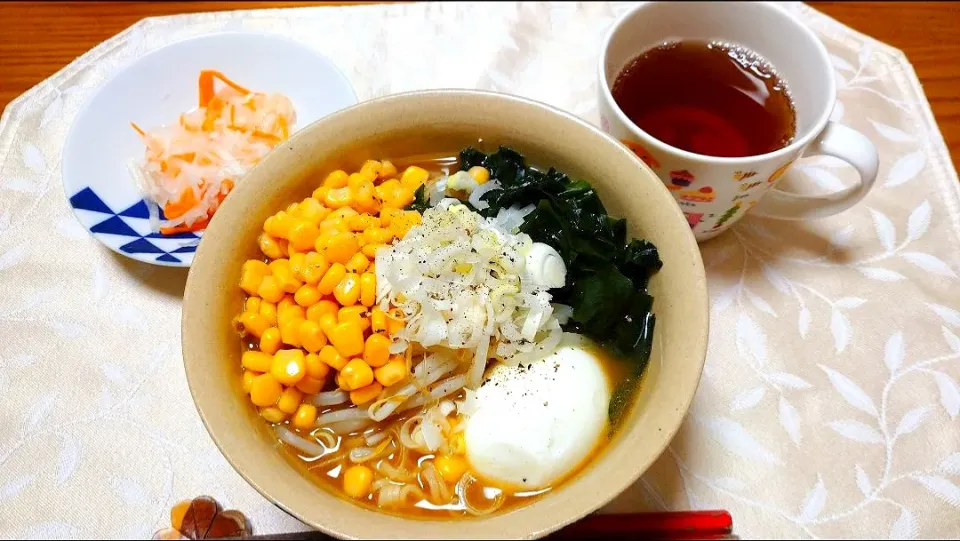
(461, 281)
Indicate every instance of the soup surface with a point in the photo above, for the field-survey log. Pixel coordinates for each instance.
(443, 337)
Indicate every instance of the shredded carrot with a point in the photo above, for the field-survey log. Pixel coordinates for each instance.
(190, 167)
(206, 85)
(197, 226)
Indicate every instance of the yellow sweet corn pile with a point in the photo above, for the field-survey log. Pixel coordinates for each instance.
(310, 302)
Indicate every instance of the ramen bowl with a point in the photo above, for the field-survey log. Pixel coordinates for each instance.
(428, 123)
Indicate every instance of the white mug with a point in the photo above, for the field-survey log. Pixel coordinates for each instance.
(714, 192)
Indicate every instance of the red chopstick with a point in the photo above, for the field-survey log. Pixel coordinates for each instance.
(669, 525)
(711, 525)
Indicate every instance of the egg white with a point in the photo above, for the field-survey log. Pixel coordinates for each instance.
(536, 422)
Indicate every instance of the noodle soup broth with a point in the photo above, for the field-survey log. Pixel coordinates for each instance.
(325, 428)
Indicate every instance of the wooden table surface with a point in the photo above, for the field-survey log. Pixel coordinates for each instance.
(39, 38)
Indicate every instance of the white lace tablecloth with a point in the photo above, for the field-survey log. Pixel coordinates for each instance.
(830, 398)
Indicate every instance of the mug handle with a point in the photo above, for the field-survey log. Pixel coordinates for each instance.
(838, 141)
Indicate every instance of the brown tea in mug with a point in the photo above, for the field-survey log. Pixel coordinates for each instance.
(708, 98)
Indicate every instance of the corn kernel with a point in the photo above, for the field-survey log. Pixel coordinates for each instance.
(265, 390)
(256, 361)
(303, 235)
(351, 313)
(479, 173)
(377, 235)
(270, 341)
(328, 322)
(358, 180)
(312, 211)
(347, 337)
(270, 246)
(356, 374)
(404, 197)
(332, 358)
(289, 366)
(347, 291)
(289, 400)
(330, 280)
(305, 417)
(326, 233)
(366, 394)
(391, 373)
(341, 247)
(251, 274)
(371, 167)
(252, 304)
(332, 227)
(387, 190)
(307, 295)
(358, 263)
(248, 376)
(394, 323)
(357, 481)
(370, 249)
(290, 332)
(278, 225)
(322, 307)
(269, 311)
(338, 197)
(290, 311)
(387, 170)
(316, 368)
(284, 275)
(451, 468)
(368, 289)
(366, 200)
(310, 385)
(376, 352)
(362, 221)
(413, 177)
(286, 302)
(320, 194)
(311, 336)
(298, 262)
(378, 320)
(316, 267)
(253, 323)
(270, 289)
(273, 415)
(336, 179)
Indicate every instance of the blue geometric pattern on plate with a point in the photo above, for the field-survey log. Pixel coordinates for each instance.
(126, 224)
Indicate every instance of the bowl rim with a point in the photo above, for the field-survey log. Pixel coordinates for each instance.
(84, 111)
(698, 341)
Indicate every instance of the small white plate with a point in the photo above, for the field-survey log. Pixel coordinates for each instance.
(153, 91)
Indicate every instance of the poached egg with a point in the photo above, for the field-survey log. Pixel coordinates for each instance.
(535, 423)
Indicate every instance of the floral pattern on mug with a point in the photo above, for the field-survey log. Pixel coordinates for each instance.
(779, 172)
(727, 215)
(702, 195)
(681, 179)
(750, 185)
(693, 218)
(640, 151)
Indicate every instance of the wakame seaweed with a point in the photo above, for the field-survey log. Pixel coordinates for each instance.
(606, 275)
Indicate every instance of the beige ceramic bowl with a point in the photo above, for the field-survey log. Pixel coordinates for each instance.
(429, 122)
